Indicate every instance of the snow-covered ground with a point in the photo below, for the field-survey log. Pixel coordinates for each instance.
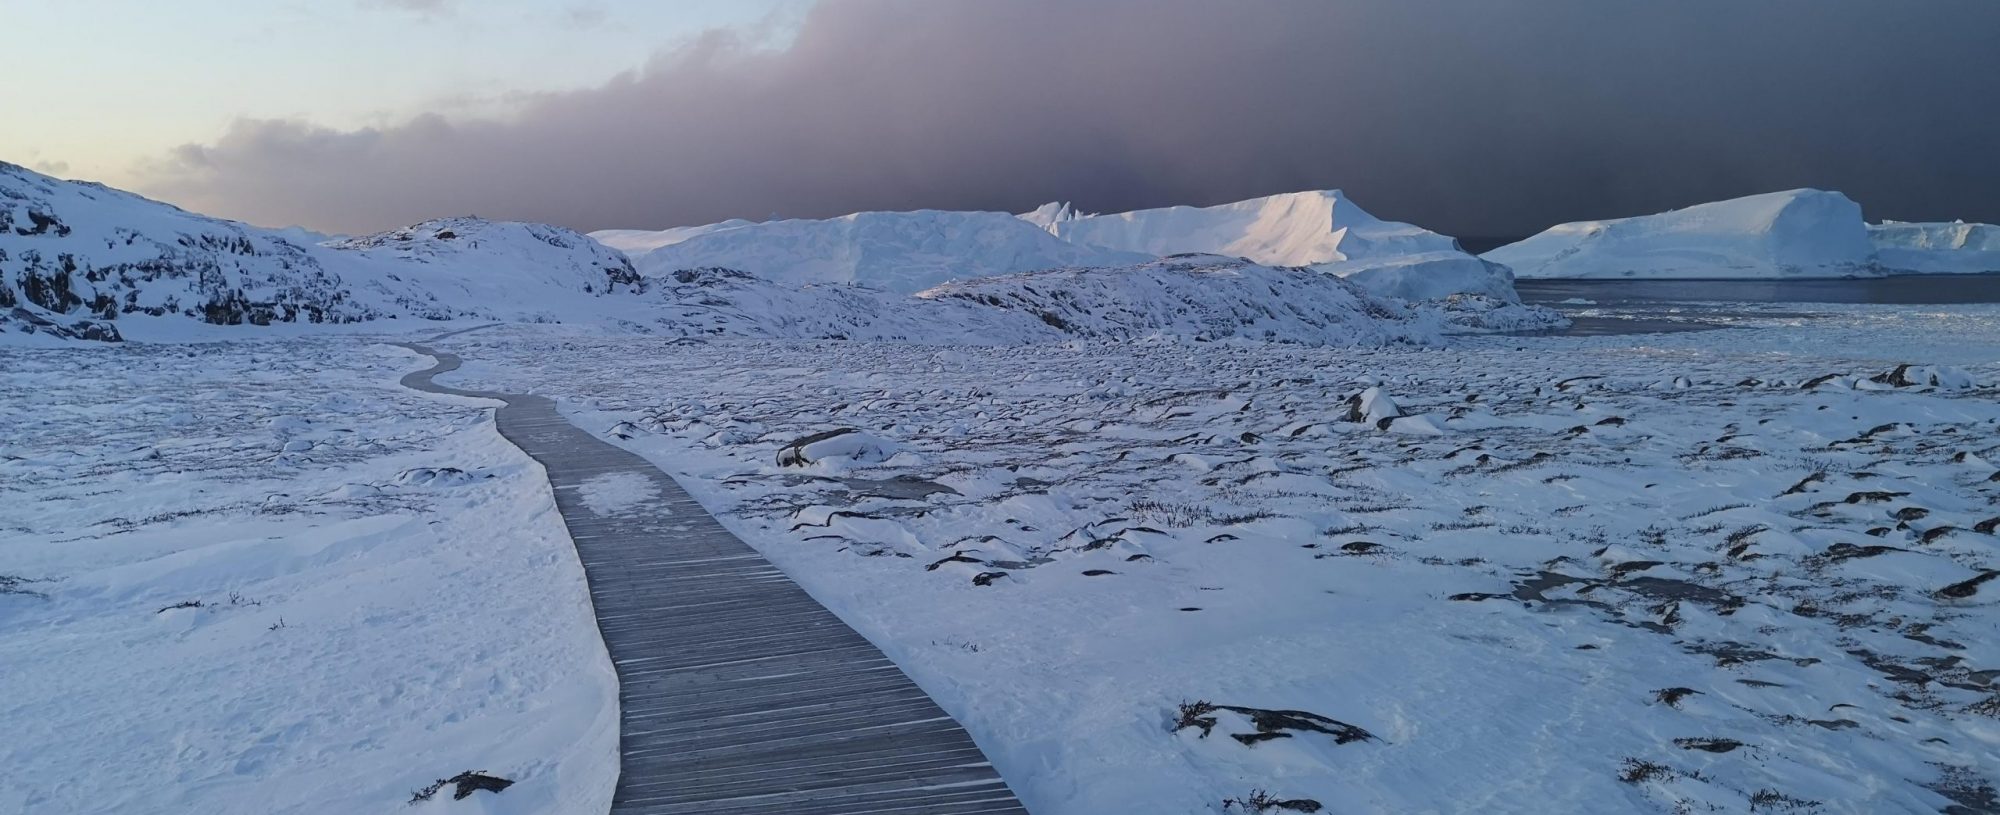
(1160, 535)
(1689, 572)
(1501, 591)
(261, 577)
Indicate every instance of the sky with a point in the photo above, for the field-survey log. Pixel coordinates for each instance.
(1474, 117)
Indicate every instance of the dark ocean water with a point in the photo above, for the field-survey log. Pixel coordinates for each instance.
(1904, 290)
(1662, 306)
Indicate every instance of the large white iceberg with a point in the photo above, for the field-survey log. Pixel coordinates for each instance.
(1793, 234)
(1937, 248)
(902, 252)
(1322, 229)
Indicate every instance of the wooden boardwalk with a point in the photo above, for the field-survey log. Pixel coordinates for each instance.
(738, 693)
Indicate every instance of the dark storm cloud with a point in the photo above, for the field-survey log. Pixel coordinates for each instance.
(1476, 117)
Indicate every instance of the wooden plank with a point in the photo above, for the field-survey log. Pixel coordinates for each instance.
(738, 693)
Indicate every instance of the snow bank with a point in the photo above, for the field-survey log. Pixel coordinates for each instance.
(1799, 233)
(1937, 248)
(895, 251)
(1323, 229)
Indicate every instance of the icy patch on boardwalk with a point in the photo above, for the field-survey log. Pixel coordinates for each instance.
(621, 494)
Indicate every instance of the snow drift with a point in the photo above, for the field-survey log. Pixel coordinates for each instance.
(79, 260)
(1321, 229)
(902, 252)
(1793, 234)
(1937, 248)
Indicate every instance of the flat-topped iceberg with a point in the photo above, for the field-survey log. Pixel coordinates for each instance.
(1937, 248)
(904, 252)
(1792, 234)
(1321, 229)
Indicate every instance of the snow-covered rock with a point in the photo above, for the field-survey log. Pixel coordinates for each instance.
(1196, 298)
(1481, 314)
(1200, 297)
(1793, 234)
(1937, 248)
(76, 257)
(1323, 229)
(719, 302)
(471, 267)
(846, 443)
(1372, 405)
(74, 250)
(902, 252)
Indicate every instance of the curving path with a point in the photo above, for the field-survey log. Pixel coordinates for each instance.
(738, 693)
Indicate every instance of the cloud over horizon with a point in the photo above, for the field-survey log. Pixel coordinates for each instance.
(1474, 118)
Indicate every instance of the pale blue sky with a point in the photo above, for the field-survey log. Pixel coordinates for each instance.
(95, 88)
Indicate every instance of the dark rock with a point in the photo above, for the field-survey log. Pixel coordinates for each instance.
(955, 558)
(1898, 377)
(1873, 497)
(1260, 801)
(467, 783)
(1965, 589)
(1671, 697)
(1847, 551)
(1708, 745)
(793, 454)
